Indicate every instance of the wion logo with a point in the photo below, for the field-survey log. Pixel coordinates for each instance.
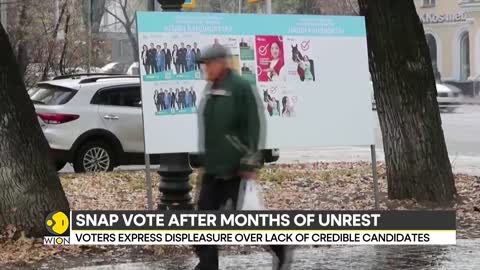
(57, 225)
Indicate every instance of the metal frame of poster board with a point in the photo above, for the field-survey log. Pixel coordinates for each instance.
(348, 127)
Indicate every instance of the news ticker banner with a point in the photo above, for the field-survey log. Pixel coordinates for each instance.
(251, 228)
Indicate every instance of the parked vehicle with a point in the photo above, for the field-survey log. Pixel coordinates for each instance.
(449, 97)
(94, 121)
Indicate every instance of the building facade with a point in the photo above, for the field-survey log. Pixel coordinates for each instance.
(452, 29)
(113, 31)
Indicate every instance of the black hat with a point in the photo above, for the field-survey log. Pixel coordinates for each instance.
(214, 52)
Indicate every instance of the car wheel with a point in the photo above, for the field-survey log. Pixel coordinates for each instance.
(60, 164)
(95, 156)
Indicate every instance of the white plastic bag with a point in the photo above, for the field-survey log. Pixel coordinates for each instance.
(249, 196)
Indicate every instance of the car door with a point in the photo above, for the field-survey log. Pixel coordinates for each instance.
(120, 108)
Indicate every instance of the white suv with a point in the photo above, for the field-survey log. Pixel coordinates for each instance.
(94, 121)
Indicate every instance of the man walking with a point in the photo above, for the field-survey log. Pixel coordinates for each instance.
(230, 122)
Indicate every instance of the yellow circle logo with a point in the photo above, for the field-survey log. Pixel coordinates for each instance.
(57, 223)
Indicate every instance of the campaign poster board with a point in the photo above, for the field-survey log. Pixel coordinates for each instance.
(310, 71)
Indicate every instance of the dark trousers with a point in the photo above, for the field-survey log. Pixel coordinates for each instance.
(215, 193)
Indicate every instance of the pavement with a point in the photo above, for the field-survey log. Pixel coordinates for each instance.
(465, 255)
(462, 135)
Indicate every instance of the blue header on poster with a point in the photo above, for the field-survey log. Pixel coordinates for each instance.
(250, 24)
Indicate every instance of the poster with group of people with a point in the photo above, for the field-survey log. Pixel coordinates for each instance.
(166, 57)
(311, 72)
(175, 100)
(178, 59)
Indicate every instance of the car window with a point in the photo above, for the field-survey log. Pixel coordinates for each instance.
(46, 94)
(121, 96)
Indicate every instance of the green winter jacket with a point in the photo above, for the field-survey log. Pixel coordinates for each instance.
(231, 124)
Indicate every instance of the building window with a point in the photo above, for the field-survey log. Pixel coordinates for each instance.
(464, 56)
(428, 3)
(125, 52)
(432, 46)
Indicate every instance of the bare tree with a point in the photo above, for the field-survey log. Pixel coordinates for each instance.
(94, 13)
(52, 42)
(49, 42)
(126, 19)
(61, 62)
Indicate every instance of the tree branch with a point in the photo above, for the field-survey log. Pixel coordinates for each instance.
(116, 17)
(125, 14)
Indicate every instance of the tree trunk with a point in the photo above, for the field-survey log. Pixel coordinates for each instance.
(97, 10)
(29, 184)
(133, 41)
(416, 156)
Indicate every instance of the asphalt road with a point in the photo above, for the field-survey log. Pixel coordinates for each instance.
(462, 134)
